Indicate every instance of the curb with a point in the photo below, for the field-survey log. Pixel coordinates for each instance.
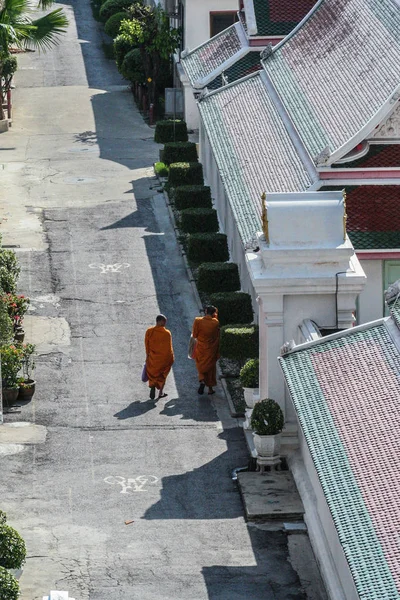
(232, 408)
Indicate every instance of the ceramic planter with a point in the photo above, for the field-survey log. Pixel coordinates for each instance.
(267, 445)
(247, 421)
(251, 395)
(19, 334)
(26, 393)
(10, 395)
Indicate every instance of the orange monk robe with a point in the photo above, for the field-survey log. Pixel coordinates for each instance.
(206, 331)
(160, 355)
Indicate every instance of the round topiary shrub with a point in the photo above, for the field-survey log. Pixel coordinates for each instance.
(9, 586)
(239, 342)
(175, 152)
(121, 48)
(192, 196)
(185, 173)
(170, 131)
(233, 307)
(218, 277)
(12, 548)
(113, 24)
(197, 220)
(132, 66)
(267, 418)
(112, 7)
(249, 374)
(207, 247)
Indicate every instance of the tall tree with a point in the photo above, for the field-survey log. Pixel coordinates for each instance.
(19, 28)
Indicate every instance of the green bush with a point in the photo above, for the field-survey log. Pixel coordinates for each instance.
(192, 196)
(113, 24)
(112, 7)
(185, 173)
(249, 374)
(3, 517)
(161, 169)
(197, 220)
(175, 152)
(267, 417)
(170, 131)
(121, 48)
(239, 342)
(207, 247)
(8, 283)
(9, 586)
(12, 548)
(218, 277)
(233, 307)
(132, 67)
(9, 260)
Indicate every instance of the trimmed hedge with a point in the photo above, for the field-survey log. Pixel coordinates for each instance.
(249, 374)
(197, 220)
(175, 152)
(207, 247)
(111, 7)
(161, 170)
(9, 586)
(233, 307)
(170, 131)
(218, 277)
(12, 548)
(192, 196)
(185, 173)
(132, 66)
(239, 342)
(121, 48)
(113, 24)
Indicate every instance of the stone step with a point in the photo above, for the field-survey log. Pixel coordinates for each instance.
(58, 595)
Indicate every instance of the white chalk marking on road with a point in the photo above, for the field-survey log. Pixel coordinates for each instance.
(115, 268)
(134, 485)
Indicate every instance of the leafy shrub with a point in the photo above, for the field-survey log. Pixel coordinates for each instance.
(194, 220)
(249, 374)
(185, 173)
(267, 417)
(161, 169)
(239, 342)
(175, 152)
(192, 196)
(12, 548)
(3, 517)
(9, 260)
(207, 247)
(170, 131)
(8, 282)
(233, 307)
(9, 586)
(121, 48)
(112, 7)
(132, 66)
(218, 277)
(113, 24)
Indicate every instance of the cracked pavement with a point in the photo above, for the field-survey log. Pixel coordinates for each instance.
(77, 190)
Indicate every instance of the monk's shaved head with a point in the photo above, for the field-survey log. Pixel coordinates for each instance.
(210, 310)
(161, 319)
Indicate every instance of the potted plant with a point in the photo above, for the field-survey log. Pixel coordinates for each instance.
(249, 378)
(11, 364)
(12, 548)
(9, 586)
(17, 305)
(27, 383)
(267, 422)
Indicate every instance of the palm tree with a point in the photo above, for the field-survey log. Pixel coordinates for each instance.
(19, 29)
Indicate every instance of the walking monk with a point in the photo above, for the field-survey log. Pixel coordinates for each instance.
(206, 331)
(159, 356)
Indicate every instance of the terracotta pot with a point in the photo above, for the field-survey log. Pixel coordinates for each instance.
(26, 393)
(10, 396)
(267, 445)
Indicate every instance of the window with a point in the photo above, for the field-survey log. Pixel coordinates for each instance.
(221, 20)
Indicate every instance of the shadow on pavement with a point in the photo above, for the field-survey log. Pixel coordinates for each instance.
(135, 409)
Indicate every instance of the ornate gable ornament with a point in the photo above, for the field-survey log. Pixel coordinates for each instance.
(264, 54)
(391, 127)
(323, 157)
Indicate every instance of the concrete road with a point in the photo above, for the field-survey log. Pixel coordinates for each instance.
(99, 262)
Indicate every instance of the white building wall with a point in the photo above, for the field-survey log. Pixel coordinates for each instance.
(370, 301)
(197, 19)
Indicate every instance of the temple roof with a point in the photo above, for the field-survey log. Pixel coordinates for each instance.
(279, 17)
(338, 74)
(345, 389)
(249, 63)
(252, 148)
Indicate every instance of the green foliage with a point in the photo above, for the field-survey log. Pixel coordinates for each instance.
(194, 220)
(170, 131)
(113, 24)
(9, 586)
(3, 517)
(9, 260)
(185, 173)
(175, 152)
(218, 277)
(8, 283)
(192, 196)
(112, 7)
(108, 49)
(12, 548)
(207, 247)
(6, 327)
(239, 342)
(161, 169)
(121, 48)
(28, 360)
(11, 363)
(267, 417)
(150, 27)
(10, 65)
(132, 67)
(249, 374)
(233, 307)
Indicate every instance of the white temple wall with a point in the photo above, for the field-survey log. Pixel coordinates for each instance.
(197, 19)
(370, 301)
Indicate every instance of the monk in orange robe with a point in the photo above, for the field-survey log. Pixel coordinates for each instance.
(206, 331)
(159, 356)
